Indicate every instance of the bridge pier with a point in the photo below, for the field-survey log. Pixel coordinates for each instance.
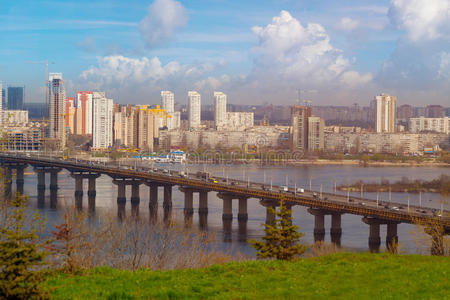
(167, 202)
(8, 182)
(188, 204)
(319, 224)
(374, 234)
(20, 178)
(40, 187)
(270, 206)
(203, 202)
(135, 198)
(242, 230)
(153, 201)
(391, 236)
(336, 229)
(242, 213)
(227, 213)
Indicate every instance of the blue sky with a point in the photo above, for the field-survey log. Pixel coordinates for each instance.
(337, 52)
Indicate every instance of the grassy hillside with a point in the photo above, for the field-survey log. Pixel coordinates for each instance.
(343, 275)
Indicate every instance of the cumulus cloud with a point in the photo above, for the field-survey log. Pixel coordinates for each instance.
(421, 19)
(163, 19)
(136, 78)
(292, 55)
(347, 24)
(419, 63)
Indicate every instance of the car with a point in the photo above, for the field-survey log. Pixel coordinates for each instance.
(300, 190)
(233, 183)
(386, 206)
(401, 207)
(284, 188)
(362, 203)
(314, 195)
(395, 208)
(351, 200)
(326, 198)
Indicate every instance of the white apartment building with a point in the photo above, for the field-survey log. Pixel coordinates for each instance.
(56, 97)
(239, 120)
(102, 131)
(421, 124)
(385, 107)
(220, 110)
(168, 101)
(194, 109)
(315, 133)
(173, 120)
(19, 117)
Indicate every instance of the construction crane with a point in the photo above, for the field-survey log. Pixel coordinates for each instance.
(46, 63)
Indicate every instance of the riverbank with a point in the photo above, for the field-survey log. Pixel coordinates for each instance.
(337, 276)
(323, 162)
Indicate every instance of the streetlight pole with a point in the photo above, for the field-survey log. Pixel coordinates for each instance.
(348, 195)
(408, 202)
(335, 187)
(287, 181)
(420, 199)
(310, 183)
(361, 190)
(320, 191)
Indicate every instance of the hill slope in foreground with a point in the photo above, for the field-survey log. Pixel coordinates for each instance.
(343, 275)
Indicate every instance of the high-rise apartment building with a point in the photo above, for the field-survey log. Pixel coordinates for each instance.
(385, 107)
(441, 125)
(220, 110)
(84, 113)
(102, 121)
(405, 112)
(168, 101)
(299, 123)
(56, 97)
(316, 127)
(70, 112)
(435, 111)
(194, 109)
(15, 97)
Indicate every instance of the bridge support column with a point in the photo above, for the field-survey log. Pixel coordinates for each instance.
(78, 191)
(20, 179)
(374, 233)
(54, 180)
(167, 203)
(336, 229)
(242, 228)
(319, 224)
(391, 237)
(270, 206)
(242, 214)
(188, 205)
(203, 202)
(41, 187)
(92, 192)
(121, 198)
(203, 209)
(153, 201)
(135, 198)
(227, 213)
(8, 182)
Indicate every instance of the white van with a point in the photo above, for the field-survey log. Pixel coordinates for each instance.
(300, 190)
(284, 188)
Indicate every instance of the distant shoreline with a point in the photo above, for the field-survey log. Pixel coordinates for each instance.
(325, 162)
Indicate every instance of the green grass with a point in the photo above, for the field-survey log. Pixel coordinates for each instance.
(337, 276)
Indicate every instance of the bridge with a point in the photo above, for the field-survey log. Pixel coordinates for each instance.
(374, 213)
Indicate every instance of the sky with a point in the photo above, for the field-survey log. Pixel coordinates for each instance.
(266, 51)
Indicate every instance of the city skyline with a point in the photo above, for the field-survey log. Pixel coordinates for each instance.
(334, 53)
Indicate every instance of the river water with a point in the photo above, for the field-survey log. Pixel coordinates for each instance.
(354, 231)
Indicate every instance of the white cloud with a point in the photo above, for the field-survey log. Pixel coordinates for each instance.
(421, 19)
(137, 78)
(292, 56)
(347, 24)
(444, 66)
(163, 19)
